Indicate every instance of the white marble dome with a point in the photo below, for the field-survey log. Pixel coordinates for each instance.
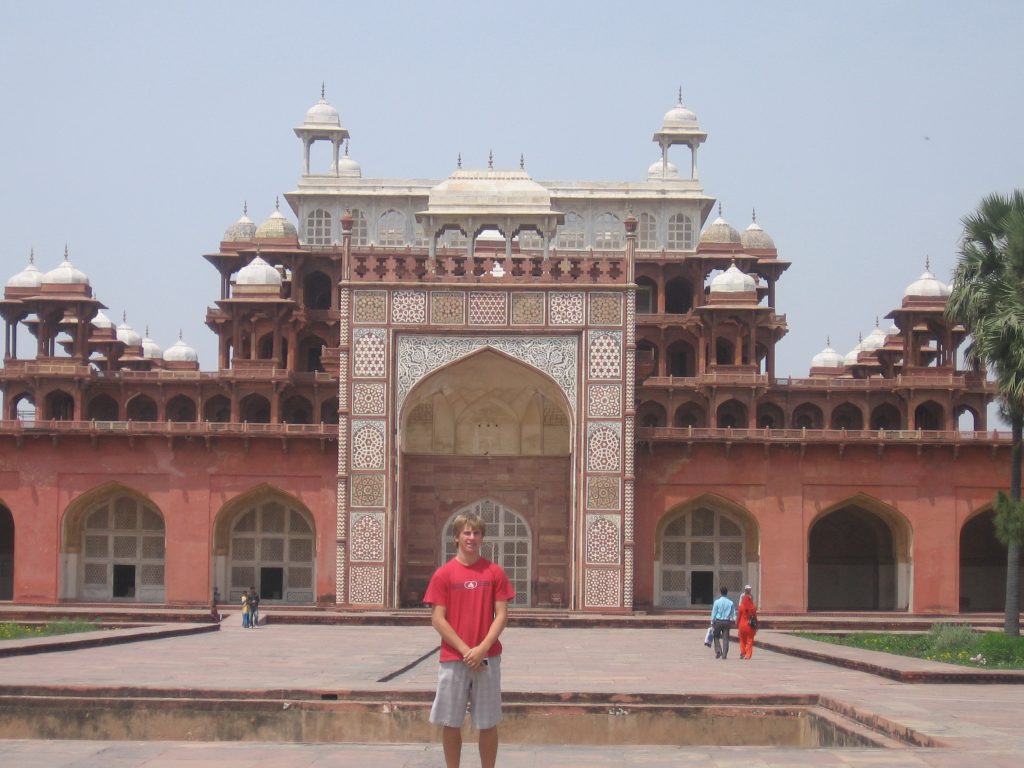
(679, 117)
(851, 356)
(65, 274)
(720, 231)
(150, 349)
(755, 237)
(733, 280)
(347, 166)
(127, 335)
(927, 286)
(827, 358)
(322, 114)
(102, 321)
(654, 172)
(242, 231)
(258, 272)
(29, 277)
(275, 227)
(180, 352)
(874, 340)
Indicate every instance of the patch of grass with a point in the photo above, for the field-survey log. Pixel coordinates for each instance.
(58, 627)
(950, 643)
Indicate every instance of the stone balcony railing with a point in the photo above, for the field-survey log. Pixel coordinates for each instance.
(804, 436)
(30, 426)
(575, 268)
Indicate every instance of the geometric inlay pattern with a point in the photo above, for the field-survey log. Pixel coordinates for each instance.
(528, 308)
(366, 584)
(367, 445)
(369, 306)
(367, 539)
(367, 490)
(447, 308)
(606, 309)
(603, 451)
(370, 352)
(566, 308)
(488, 307)
(368, 398)
(420, 355)
(409, 307)
(605, 354)
(604, 400)
(602, 589)
(602, 539)
(602, 492)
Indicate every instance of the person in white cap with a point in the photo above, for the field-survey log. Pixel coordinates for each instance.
(746, 623)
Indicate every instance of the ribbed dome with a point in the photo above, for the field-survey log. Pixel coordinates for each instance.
(347, 166)
(679, 117)
(733, 280)
(720, 232)
(927, 286)
(654, 172)
(276, 227)
(242, 231)
(827, 358)
(127, 335)
(65, 274)
(180, 352)
(874, 340)
(150, 349)
(102, 321)
(258, 272)
(29, 277)
(322, 114)
(755, 237)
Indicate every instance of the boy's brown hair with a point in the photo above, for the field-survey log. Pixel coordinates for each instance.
(472, 519)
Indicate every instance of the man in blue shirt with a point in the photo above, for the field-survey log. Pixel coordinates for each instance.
(723, 614)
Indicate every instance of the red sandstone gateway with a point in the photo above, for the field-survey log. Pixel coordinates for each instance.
(570, 360)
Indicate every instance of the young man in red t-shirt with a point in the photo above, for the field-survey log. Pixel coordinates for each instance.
(469, 595)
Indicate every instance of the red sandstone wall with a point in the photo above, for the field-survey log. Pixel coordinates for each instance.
(188, 483)
(932, 494)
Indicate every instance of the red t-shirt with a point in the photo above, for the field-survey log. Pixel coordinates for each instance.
(468, 594)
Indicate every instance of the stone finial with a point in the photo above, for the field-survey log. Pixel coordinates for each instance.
(277, 202)
(522, 162)
(927, 264)
(31, 255)
(753, 215)
(245, 207)
(346, 147)
(458, 162)
(490, 159)
(680, 95)
(719, 209)
(323, 90)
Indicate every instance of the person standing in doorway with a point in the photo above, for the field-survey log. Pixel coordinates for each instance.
(469, 598)
(723, 614)
(746, 623)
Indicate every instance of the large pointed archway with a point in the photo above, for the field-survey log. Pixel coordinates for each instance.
(487, 428)
(859, 558)
(982, 566)
(6, 554)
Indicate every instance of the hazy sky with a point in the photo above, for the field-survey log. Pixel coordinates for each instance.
(862, 132)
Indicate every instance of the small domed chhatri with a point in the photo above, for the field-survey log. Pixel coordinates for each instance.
(101, 321)
(258, 272)
(827, 358)
(347, 166)
(180, 352)
(720, 231)
(127, 335)
(276, 227)
(927, 286)
(243, 230)
(733, 280)
(322, 114)
(755, 238)
(679, 116)
(65, 274)
(29, 277)
(150, 349)
(671, 171)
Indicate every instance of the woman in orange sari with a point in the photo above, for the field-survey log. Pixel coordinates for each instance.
(747, 610)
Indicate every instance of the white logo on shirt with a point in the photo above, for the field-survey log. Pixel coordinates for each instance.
(471, 584)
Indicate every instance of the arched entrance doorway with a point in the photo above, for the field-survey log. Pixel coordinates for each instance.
(506, 542)
(700, 550)
(487, 431)
(6, 554)
(122, 551)
(271, 547)
(858, 560)
(982, 566)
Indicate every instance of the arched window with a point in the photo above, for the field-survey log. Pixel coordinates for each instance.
(360, 233)
(808, 416)
(297, 410)
(732, 414)
(272, 549)
(571, 234)
(847, 416)
(609, 234)
(651, 414)
(60, 406)
(255, 409)
(102, 408)
(929, 416)
(453, 238)
(647, 233)
(506, 542)
(680, 232)
(141, 408)
(646, 296)
(391, 229)
(530, 240)
(217, 409)
(122, 552)
(689, 415)
(316, 291)
(318, 227)
(678, 296)
(700, 552)
(181, 408)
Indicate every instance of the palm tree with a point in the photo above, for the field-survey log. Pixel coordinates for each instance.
(988, 299)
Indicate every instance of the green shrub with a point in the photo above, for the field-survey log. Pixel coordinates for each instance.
(1002, 649)
(951, 637)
